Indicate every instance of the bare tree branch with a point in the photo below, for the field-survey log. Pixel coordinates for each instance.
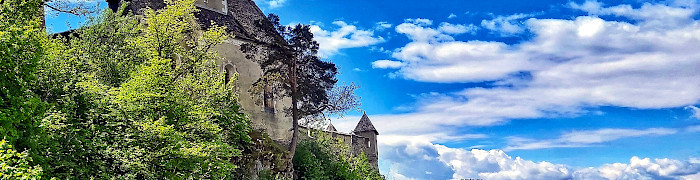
(74, 8)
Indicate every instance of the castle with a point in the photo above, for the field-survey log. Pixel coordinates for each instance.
(242, 19)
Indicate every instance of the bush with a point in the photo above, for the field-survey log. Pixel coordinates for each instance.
(323, 157)
(14, 165)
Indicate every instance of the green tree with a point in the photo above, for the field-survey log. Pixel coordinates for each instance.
(21, 38)
(14, 165)
(294, 66)
(139, 97)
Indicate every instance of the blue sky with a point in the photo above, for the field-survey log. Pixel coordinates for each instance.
(518, 89)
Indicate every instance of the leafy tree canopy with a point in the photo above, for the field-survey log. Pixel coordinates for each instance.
(123, 97)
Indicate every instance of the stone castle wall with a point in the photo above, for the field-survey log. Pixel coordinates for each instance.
(358, 144)
(273, 122)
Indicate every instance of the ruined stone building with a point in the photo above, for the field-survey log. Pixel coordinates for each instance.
(363, 139)
(242, 19)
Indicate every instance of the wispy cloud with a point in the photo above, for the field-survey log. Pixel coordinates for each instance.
(507, 25)
(694, 110)
(380, 26)
(584, 138)
(272, 4)
(387, 64)
(452, 16)
(420, 21)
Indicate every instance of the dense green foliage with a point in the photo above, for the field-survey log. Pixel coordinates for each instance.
(124, 97)
(21, 39)
(324, 157)
(14, 165)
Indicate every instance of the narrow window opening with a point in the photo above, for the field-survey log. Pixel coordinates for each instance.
(229, 72)
(227, 79)
(268, 98)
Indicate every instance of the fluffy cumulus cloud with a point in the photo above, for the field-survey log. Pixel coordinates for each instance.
(413, 160)
(346, 36)
(496, 164)
(645, 168)
(585, 138)
(434, 161)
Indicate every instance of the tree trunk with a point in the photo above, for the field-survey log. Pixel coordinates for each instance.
(295, 110)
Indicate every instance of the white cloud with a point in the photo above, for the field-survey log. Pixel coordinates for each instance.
(585, 138)
(387, 64)
(651, 15)
(451, 16)
(643, 169)
(273, 4)
(347, 36)
(419, 30)
(496, 164)
(411, 159)
(380, 49)
(457, 28)
(566, 67)
(694, 110)
(276, 3)
(507, 25)
(420, 21)
(693, 128)
(380, 26)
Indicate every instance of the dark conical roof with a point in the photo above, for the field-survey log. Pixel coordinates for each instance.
(331, 128)
(365, 125)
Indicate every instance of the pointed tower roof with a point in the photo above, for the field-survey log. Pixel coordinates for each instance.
(331, 128)
(365, 125)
